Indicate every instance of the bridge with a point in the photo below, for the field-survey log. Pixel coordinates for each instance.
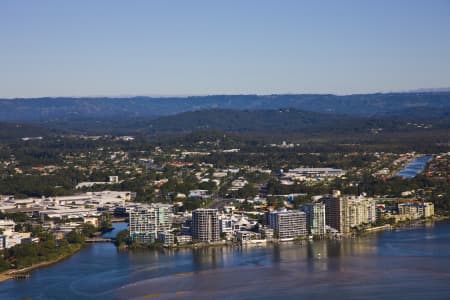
(119, 219)
(99, 240)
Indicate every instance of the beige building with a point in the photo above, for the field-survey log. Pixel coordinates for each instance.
(361, 210)
(416, 210)
(91, 220)
(343, 213)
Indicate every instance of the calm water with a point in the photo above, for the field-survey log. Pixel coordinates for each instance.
(415, 167)
(407, 264)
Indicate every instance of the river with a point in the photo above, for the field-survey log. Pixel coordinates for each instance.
(403, 264)
(415, 167)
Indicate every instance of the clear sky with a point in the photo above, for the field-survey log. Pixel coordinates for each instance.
(88, 48)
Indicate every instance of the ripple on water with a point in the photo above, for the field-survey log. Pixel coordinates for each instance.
(405, 264)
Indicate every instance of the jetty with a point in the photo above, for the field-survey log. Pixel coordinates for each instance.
(20, 275)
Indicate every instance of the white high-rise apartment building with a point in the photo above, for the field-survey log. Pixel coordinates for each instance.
(315, 218)
(288, 224)
(146, 222)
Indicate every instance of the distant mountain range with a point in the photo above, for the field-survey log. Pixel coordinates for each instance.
(48, 110)
(431, 90)
(273, 121)
(315, 114)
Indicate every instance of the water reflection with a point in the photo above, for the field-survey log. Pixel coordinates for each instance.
(406, 264)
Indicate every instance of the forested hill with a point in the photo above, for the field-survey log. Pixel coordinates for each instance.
(15, 130)
(420, 114)
(275, 121)
(61, 109)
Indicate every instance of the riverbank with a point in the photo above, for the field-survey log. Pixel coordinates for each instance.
(301, 240)
(10, 274)
(100, 271)
(419, 222)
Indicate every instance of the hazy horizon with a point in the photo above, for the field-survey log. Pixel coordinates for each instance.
(419, 90)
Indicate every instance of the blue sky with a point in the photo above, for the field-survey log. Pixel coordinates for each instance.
(88, 48)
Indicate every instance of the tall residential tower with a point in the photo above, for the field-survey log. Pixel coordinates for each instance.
(205, 225)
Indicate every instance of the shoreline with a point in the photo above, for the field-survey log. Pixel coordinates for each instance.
(372, 230)
(403, 225)
(9, 274)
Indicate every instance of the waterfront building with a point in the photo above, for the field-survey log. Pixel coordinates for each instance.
(345, 212)
(166, 238)
(162, 214)
(229, 223)
(267, 233)
(226, 225)
(336, 213)
(245, 235)
(186, 227)
(205, 225)
(415, 210)
(10, 239)
(142, 225)
(288, 224)
(315, 218)
(428, 209)
(184, 239)
(146, 222)
(360, 210)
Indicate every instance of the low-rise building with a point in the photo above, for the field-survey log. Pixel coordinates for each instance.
(199, 194)
(267, 233)
(415, 210)
(300, 174)
(7, 225)
(183, 239)
(166, 238)
(91, 220)
(245, 235)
